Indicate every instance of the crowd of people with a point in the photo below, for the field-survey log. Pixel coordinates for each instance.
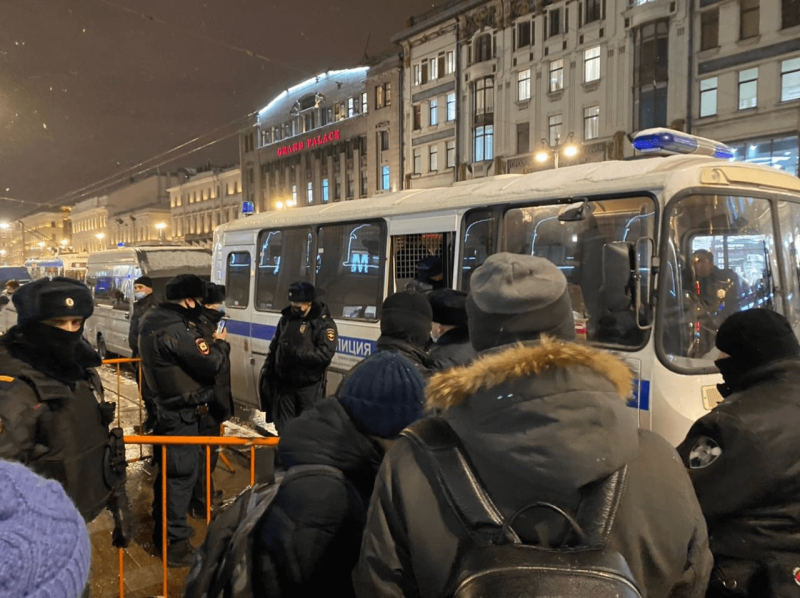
(480, 422)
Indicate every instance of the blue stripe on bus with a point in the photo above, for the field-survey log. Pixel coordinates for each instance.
(357, 347)
(642, 400)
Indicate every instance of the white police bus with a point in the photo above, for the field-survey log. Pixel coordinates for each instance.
(625, 234)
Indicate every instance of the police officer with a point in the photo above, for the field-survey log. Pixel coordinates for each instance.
(221, 408)
(145, 302)
(449, 331)
(52, 414)
(181, 366)
(293, 375)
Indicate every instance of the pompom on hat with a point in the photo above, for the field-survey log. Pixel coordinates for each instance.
(517, 298)
(45, 299)
(384, 394)
(44, 546)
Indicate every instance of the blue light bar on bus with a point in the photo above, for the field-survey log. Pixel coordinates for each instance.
(655, 140)
(248, 209)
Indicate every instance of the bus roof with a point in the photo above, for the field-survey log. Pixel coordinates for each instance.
(654, 173)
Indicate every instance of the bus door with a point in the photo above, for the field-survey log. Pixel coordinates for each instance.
(422, 252)
(238, 260)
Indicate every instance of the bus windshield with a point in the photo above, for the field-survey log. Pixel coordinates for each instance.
(594, 243)
(719, 258)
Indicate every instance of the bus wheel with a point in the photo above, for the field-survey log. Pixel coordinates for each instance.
(101, 347)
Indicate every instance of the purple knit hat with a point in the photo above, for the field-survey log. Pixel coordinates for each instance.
(44, 545)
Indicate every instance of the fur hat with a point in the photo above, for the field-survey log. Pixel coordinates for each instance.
(185, 286)
(145, 280)
(215, 293)
(384, 394)
(44, 545)
(449, 307)
(756, 337)
(45, 299)
(516, 298)
(301, 292)
(407, 316)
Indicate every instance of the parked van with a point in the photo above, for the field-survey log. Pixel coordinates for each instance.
(8, 313)
(110, 275)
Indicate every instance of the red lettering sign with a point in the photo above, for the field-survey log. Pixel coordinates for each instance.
(310, 142)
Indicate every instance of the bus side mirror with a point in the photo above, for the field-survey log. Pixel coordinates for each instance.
(642, 273)
(615, 290)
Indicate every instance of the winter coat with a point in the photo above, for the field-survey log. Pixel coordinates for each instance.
(53, 417)
(452, 348)
(743, 459)
(307, 544)
(179, 364)
(415, 354)
(538, 422)
(221, 409)
(140, 309)
(302, 348)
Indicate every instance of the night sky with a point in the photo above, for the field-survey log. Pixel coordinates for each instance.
(91, 88)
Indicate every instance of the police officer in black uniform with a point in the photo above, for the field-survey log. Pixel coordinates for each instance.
(53, 417)
(181, 366)
(146, 301)
(293, 375)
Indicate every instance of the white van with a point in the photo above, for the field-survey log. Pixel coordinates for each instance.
(110, 275)
(8, 313)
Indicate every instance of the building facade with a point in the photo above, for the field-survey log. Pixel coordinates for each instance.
(332, 138)
(90, 225)
(203, 201)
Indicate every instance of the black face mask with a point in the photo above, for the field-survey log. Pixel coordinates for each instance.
(732, 373)
(297, 311)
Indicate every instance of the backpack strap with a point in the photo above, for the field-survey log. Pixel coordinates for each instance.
(440, 447)
(599, 505)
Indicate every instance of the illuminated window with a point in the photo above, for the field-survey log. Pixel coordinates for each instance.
(708, 97)
(591, 64)
(790, 79)
(434, 112)
(557, 75)
(294, 194)
(433, 164)
(325, 196)
(554, 128)
(591, 122)
(378, 96)
(385, 178)
(351, 107)
(434, 69)
(387, 93)
(748, 88)
(364, 103)
(483, 143)
(524, 85)
(451, 62)
(310, 192)
(451, 107)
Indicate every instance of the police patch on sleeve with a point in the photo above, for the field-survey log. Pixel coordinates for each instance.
(330, 334)
(704, 452)
(202, 346)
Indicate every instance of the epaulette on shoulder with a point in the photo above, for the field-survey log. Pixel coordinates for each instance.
(7, 379)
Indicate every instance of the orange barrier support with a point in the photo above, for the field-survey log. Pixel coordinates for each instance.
(121, 573)
(206, 441)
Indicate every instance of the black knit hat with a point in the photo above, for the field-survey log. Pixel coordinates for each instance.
(407, 316)
(185, 286)
(45, 299)
(145, 280)
(756, 337)
(301, 292)
(215, 293)
(449, 307)
(384, 394)
(517, 298)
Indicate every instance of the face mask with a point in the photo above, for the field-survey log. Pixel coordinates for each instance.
(221, 309)
(297, 311)
(139, 296)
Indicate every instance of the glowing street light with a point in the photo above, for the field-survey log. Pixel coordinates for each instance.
(5, 225)
(569, 148)
(160, 226)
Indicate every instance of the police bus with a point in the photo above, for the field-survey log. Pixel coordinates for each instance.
(629, 237)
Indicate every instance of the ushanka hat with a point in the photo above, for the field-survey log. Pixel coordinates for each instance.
(185, 286)
(44, 546)
(517, 298)
(45, 299)
(449, 307)
(215, 293)
(301, 292)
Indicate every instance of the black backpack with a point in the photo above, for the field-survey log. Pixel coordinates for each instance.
(495, 562)
(223, 565)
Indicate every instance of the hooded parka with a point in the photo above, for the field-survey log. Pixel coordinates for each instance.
(307, 544)
(538, 422)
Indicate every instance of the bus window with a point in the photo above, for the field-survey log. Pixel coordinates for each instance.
(479, 242)
(789, 217)
(594, 245)
(349, 269)
(422, 261)
(284, 257)
(720, 259)
(237, 279)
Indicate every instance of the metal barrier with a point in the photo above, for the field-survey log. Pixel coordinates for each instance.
(164, 442)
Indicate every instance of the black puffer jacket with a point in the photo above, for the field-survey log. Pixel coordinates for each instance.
(140, 309)
(178, 363)
(744, 461)
(538, 422)
(452, 348)
(302, 348)
(307, 544)
(52, 414)
(222, 408)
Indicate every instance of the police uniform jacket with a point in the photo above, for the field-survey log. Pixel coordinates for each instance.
(140, 308)
(55, 424)
(744, 461)
(538, 422)
(178, 362)
(302, 348)
(222, 407)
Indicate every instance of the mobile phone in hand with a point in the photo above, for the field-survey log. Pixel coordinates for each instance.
(221, 326)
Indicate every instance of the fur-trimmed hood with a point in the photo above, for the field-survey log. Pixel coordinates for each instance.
(540, 419)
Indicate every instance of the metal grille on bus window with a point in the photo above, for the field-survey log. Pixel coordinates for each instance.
(409, 250)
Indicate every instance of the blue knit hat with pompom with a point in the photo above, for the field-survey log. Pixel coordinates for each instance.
(44, 545)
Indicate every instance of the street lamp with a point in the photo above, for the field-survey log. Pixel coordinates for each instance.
(160, 226)
(5, 225)
(569, 148)
(100, 237)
